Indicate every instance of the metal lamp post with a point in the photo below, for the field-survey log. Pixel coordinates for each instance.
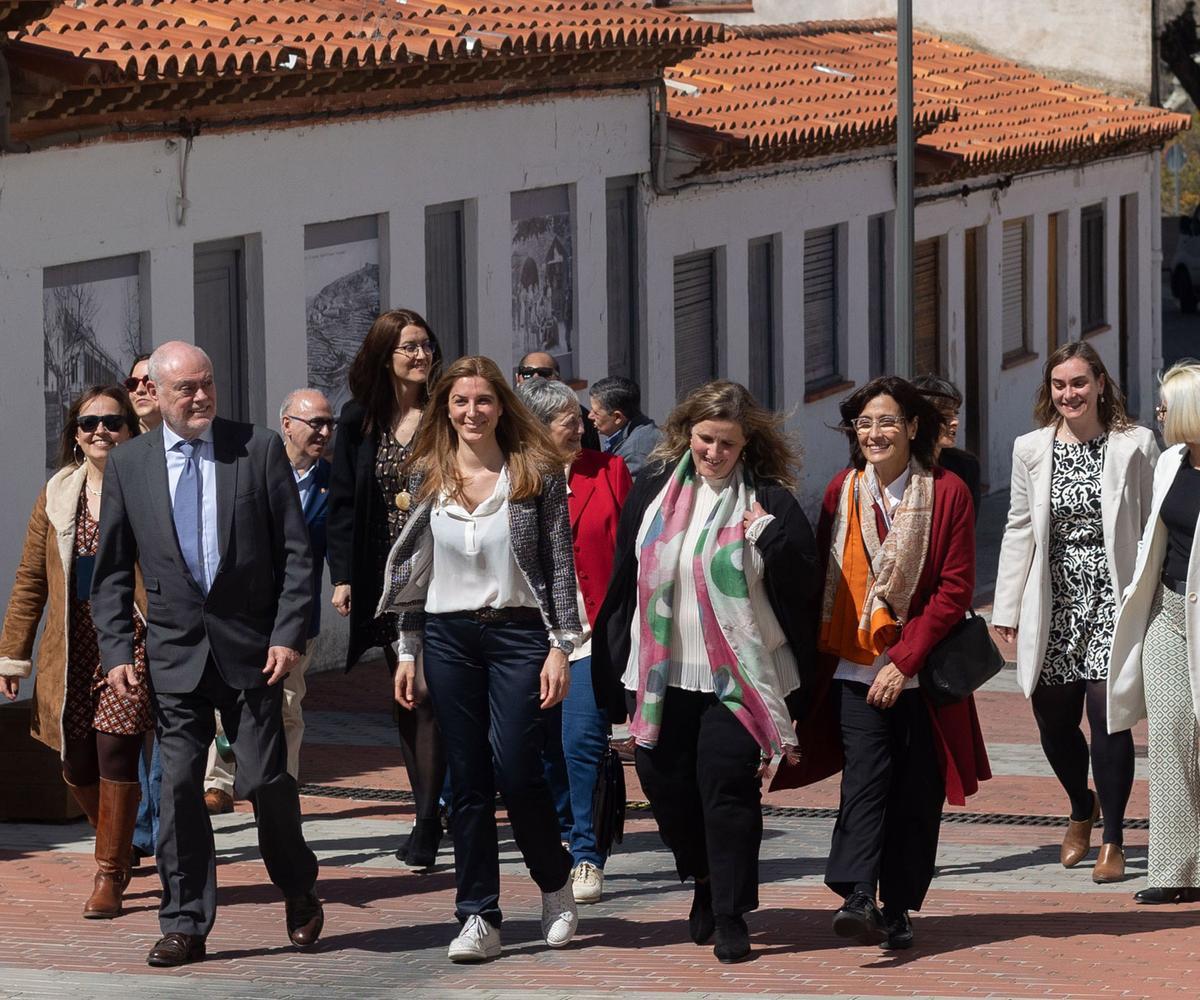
(903, 316)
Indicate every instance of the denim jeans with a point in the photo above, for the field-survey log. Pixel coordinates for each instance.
(573, 760)
(145, 833)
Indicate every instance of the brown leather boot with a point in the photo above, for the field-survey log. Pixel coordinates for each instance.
(114, 845)
(88, 797)
(1110, 866)
(1078, 839)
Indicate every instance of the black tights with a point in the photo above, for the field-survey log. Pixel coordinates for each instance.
(102, 755)
(422, 750)
(1058, 710)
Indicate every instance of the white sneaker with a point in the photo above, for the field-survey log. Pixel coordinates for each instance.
(559, 916)
(476, 942)
(587, 882)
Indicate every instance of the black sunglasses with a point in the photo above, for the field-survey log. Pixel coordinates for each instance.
(316, 423)
(526, 371)
(131, 384)
(112, 422)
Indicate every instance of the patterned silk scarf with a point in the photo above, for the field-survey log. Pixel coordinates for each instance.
(742, 669)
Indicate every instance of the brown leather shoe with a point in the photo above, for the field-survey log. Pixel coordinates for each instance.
(176, 949)
(305, 919)
(1110, 866)
(114, 845)
(1078, 839)
(218, 802)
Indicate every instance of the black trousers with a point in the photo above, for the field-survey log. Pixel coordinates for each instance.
(890, 812)
(484, 682)
(703, 786)
(253, 723)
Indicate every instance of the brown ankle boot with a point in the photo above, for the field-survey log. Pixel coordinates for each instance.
(1078, 839)
(88, 797)
(114, 846)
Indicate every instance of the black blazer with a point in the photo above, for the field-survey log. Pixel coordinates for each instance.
(262, 592)
(316, 516)
(790, 575)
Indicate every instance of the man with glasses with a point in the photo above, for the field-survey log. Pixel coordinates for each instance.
(307, 422)
(539, 364)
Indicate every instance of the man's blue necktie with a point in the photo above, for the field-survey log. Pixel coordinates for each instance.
(187, 513)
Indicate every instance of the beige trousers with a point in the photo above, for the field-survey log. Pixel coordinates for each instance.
(220, 774)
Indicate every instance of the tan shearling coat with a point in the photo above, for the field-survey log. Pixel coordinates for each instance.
(42, 586)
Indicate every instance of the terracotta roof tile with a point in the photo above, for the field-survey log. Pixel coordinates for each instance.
(823, 80)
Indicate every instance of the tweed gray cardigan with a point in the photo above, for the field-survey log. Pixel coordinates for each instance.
(540, 531)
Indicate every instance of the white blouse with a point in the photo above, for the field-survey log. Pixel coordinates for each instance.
(473, 562)
(689, 668)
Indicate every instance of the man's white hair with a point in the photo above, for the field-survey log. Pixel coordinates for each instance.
(166, 357)
(290, 399)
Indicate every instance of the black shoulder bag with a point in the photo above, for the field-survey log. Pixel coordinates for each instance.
(961, 663)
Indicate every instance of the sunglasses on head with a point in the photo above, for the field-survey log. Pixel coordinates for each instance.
(528, 371)
(131, 384)
(112, 422)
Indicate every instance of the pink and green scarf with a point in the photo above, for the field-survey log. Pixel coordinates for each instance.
(742, 671)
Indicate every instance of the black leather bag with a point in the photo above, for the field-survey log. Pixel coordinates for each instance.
(608, 801)
(961, 663)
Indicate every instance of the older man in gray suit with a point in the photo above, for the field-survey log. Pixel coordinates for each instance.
(208, 509)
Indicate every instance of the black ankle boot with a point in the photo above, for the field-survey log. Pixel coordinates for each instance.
(733, 939)
(700, 919)
(421, 850)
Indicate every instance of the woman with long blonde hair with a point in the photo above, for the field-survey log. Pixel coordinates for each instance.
(482, 579)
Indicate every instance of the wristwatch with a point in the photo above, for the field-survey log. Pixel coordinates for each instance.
(566, 645)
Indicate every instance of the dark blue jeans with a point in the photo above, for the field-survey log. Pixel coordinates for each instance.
(484, 682)
(573, 760)
(145, 833)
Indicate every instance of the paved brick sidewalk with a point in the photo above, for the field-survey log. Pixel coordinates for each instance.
(1004, 919)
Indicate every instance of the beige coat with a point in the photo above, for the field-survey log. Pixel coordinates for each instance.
(42, 586)
(1126, 698)
(1023, 578)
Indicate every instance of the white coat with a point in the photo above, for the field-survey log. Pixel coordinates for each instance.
(1023, 598)
(1126, 695)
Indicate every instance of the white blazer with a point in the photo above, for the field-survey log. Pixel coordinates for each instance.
(1023, 578)
(1126, 697)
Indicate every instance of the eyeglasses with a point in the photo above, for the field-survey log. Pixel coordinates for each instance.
(884, 423)
(411, 350)
(318, 424)
(131, 384)
(112, 422)
(528, 371)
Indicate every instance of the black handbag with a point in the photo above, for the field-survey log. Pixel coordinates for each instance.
(961, 663)
(608, 801)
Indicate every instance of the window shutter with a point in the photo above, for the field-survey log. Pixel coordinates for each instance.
(761, 295)
(1013, 286)
(820, 306)
(695, 321)
(927, 309)
(1091, 260)
(445, 305)
(621, 280)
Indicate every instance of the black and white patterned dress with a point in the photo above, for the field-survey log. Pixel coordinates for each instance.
(1082, 608)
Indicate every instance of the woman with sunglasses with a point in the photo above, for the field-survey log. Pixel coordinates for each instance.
(368, 505)
(142, 394)
(98, 733)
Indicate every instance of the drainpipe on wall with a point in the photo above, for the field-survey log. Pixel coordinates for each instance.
(659, 140)
(6, 143)
(1156, 267)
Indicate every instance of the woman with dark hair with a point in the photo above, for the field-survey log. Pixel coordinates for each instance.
(898, 540)
(947, 400)
(703, 636)
(142, 393)
(1081, 491)
(389, 386)
(98, 732)
(483, 580)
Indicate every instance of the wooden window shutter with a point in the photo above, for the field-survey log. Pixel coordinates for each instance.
(820, 307)
(1013, 291)
(927, 309)
(695, 320)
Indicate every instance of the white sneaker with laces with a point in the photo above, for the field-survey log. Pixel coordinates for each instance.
(587, 882)
(559, 916)
(477, 941)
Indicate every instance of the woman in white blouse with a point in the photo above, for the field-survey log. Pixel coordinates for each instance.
(702, 636)
(483, 581)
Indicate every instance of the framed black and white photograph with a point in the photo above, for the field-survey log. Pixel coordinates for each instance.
(543, 275)
(92, 327)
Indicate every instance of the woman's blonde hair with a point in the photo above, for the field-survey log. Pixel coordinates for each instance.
(528, 449)
(1180, 391)
(769, 454)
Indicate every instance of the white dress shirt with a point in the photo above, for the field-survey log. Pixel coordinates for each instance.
(206, 467)
(887, 499)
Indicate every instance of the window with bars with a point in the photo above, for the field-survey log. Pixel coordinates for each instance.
(695, 320)
(1091, 267)
(1014, 290)
(765, 368)
(821, 361)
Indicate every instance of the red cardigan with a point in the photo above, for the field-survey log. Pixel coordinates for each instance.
(598, 485)
(942, 597)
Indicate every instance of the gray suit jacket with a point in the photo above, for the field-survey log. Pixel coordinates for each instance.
(262, 591)
(640, 439)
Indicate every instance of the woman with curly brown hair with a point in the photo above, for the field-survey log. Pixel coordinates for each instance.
(389, 385)
(98, 732)
(704, 634)
(483, 580)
